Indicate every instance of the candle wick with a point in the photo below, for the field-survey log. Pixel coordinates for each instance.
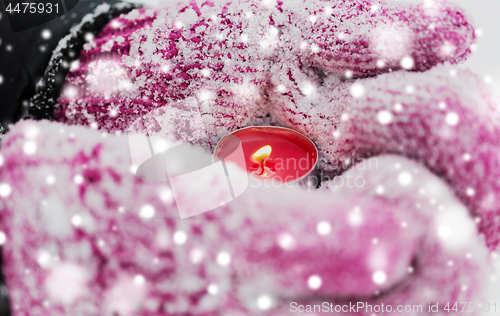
(262, 167)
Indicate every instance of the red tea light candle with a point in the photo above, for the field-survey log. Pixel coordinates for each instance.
(272, 153)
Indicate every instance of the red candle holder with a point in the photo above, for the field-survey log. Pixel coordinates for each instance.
(272, 153)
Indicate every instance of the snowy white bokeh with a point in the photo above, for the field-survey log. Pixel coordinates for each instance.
(392, 42)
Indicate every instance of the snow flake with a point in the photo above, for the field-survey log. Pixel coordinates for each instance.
(286, 241)
(139, 279)
(74, 65)
(50, 179)
(46, 34)
(88, 37)
(44, 259)
(166, 195)
(70, 91)
(323, 228)
(264, 302)
(448, 49)
(133, 169)
(206, 95)
(77, 220)
(116, 24)
(147, 211)
(3, 238)
(213, 289)
(31, 132)
(314, 282)
(379, 277)
(357, 90)
(380, 189)
(470, 191)
(180, 237)
(281, 88)
(307, 89)
(384, 117)
(405, 178)
(78, 179)
(348, 74)
(223, 258)
(273, 31)
(29, 147)
(409, 89)
(380, 63)
(452, 118)
(355, 218)
(407, 63)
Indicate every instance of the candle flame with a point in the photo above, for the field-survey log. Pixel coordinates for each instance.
(262, 153)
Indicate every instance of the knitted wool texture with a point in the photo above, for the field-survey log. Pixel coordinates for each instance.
(200, 70)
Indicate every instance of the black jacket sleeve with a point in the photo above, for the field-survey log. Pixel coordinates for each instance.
(25, 54)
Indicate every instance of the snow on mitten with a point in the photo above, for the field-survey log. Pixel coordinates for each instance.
(95, 240)
(445, 118)
(147, 59)
(222, 55)
(366, 38)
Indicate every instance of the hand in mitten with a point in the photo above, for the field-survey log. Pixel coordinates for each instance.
(93, 239)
